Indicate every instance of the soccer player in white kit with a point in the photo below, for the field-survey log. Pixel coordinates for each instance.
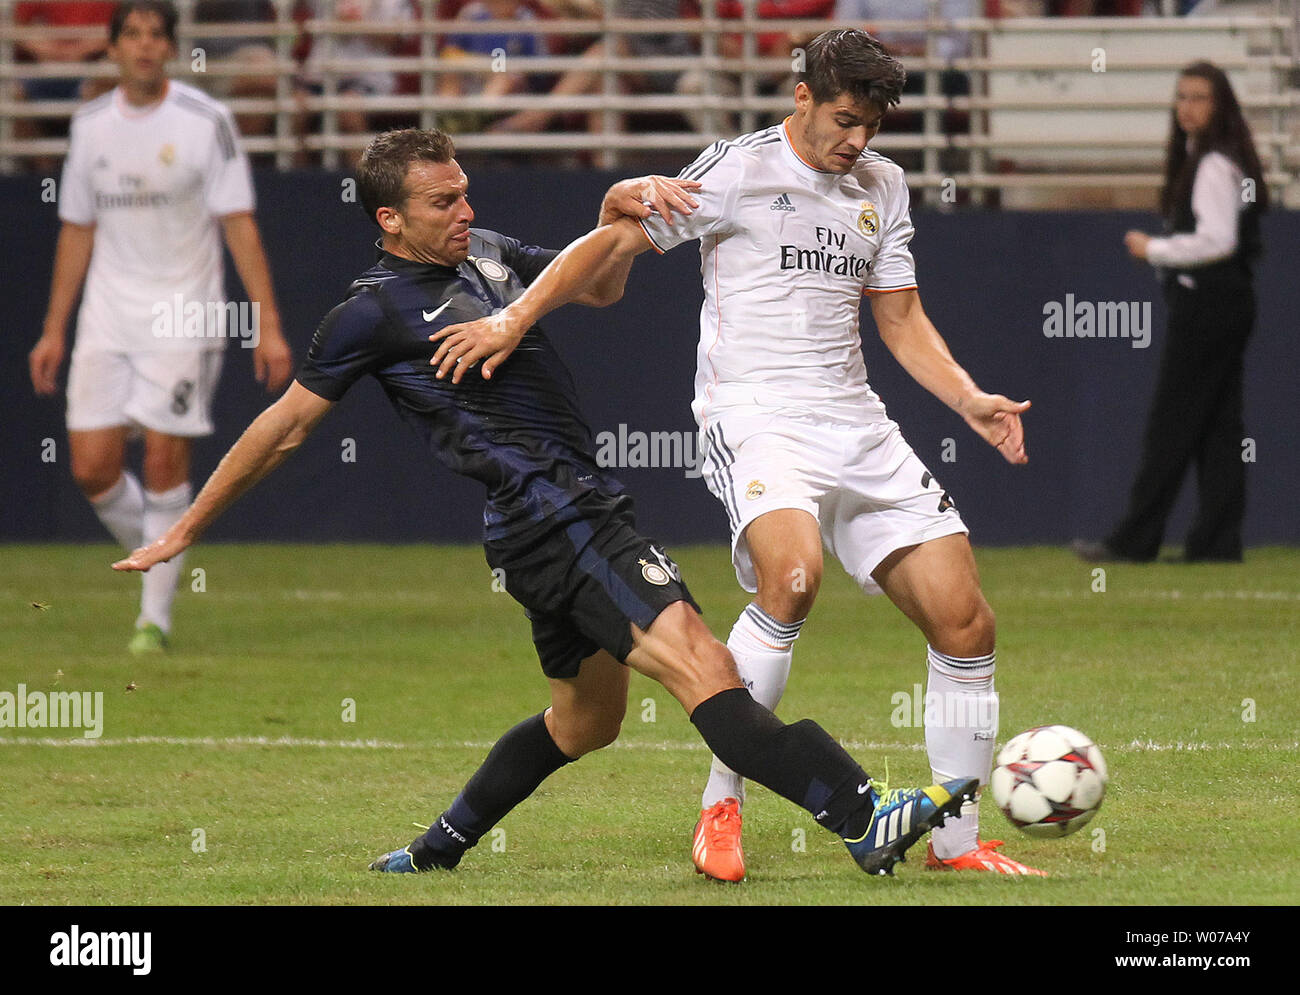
(154, 177)
(796, 223)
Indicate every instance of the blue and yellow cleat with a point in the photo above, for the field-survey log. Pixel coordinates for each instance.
(397, 862)
(902, 817)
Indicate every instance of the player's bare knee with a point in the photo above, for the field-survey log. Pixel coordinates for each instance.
(788, 593)
(713, 667)
(604, 732)
(163, 470)
(95, 476)
(585, 732)
(967, 630)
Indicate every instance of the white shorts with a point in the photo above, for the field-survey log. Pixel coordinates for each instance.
(868, 491)
(169, 391)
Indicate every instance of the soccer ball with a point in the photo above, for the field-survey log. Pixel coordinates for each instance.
(1049, 781)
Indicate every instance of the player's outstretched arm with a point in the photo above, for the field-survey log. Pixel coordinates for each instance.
(920, 349)
(582, 268)
(265, 444)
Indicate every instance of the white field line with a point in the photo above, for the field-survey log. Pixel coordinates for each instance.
(436, 593)
(1156, 595)
(1133, 746)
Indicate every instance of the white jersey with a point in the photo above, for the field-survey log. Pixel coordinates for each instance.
(787, 252)
(154, 184)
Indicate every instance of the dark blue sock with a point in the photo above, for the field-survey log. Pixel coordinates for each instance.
(521, 760)
(800, 761)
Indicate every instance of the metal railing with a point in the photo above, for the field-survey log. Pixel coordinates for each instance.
(1067, 104)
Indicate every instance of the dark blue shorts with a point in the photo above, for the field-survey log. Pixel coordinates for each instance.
(585, 583)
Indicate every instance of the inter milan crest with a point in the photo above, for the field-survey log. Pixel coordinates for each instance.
(868, 219)
(491, 269)
(654, 573)
(662, 572)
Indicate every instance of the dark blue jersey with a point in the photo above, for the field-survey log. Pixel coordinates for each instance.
(520, 433)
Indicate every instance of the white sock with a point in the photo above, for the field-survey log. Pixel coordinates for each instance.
(961, 729)
(161, 511)
(763, 648)
(121, 509)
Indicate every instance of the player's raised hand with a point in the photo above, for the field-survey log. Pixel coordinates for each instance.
(159, 551)
(490, 340)
(997, 420)
(44, 361)
(642, 196)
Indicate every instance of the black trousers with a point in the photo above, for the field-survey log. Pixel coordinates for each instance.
(1196, 418)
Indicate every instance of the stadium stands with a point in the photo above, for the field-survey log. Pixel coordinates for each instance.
(1023, 129)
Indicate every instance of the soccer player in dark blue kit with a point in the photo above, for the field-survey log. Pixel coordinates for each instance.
(600, 597)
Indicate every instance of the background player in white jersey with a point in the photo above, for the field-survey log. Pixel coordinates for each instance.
(154, 177)
(795, 223)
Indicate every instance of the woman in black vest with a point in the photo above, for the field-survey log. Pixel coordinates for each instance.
(1212, 198)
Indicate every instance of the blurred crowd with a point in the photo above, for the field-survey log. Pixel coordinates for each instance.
(251, 61)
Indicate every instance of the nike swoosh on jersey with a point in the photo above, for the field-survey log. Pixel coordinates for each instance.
(430, 315)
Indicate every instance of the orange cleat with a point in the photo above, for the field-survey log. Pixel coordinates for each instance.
(716, 851)
(983, 858)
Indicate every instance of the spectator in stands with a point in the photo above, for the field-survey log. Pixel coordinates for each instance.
(1212, 199)
(697, 82)
(1064, 8)
(951, 45)
(1015, 8)
(580, 81)
(1095, 8)
(325, 49)
(254, 57)
(496, 50)
(59, 50)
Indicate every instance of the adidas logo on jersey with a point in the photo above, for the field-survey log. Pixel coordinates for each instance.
(782, 203)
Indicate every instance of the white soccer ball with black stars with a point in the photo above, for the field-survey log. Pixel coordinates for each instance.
(1049, 781)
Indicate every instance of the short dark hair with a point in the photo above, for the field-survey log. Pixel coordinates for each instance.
(381, 173)
(852, 62)
(163, 8)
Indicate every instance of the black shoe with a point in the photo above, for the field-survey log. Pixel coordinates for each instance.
(1092, 551)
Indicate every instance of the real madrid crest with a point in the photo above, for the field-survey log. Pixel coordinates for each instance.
(654, 573)
(868, 219)
(755, 490)
(491, 269)
(167, 154)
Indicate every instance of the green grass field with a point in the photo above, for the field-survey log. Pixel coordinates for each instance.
(228, 774)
